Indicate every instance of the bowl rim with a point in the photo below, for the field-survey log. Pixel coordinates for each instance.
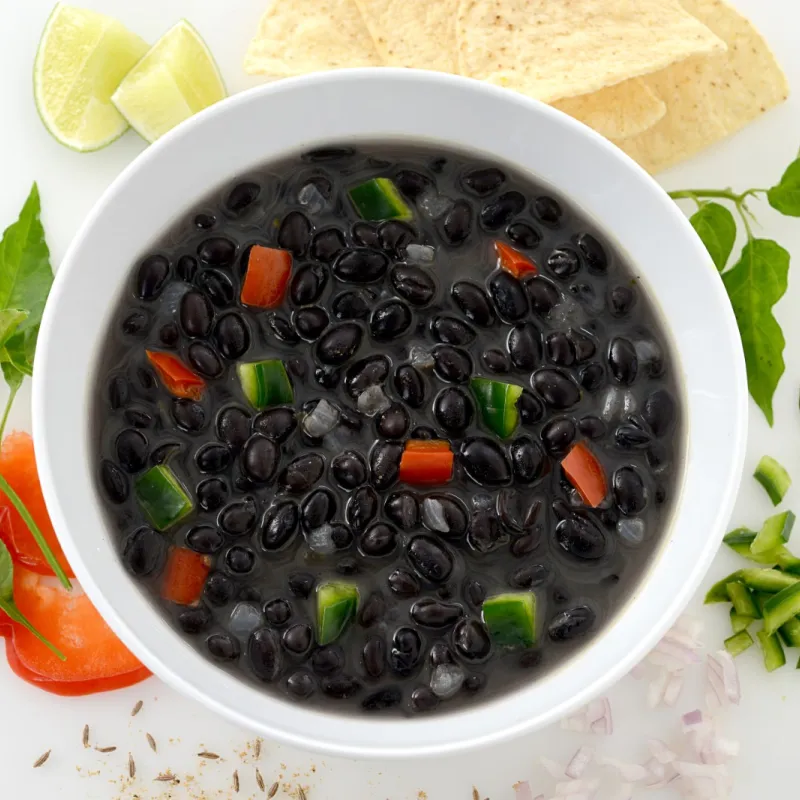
(63, 485)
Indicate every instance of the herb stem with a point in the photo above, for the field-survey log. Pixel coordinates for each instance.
(7, 411)
(35, 532)
(720, 194)
(14, 613)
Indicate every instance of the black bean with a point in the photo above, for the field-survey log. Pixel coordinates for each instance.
(631, 437)
(119, 392)
(453, 410)
(249, 594)
(195, 314)
(307, 284)
(450, 330)
(403, 510)
(136, 323)
(440, 654)
(528, 461)
(413, 284)
(547, 210)
(219, 589)
(349, 469)
(471, 640)
(496, 361)
(138, 418)
(622, 360)
(621, 300)
(347, 566)
(394, 236)
(372, 610)
(558, 434)
(452, 364)
(432, 613)
(300, 685)
(264, 654)
(484, 181)
(282, 329)
(144, 552)
(301, 584)
(374, 656)
(114, 482)
(473, 303)
(295, 233)
(232, 336)
(390, 320)
(213, 458)
(211, 494)
(217, 285)
(411, 184)
(327, 660)
(593, 252)
(361, 509)
(303, 472)
(524, 545)
(582, 345)
(203, 358)
(529, 576)
(558, 349)
(403, 583)
(366, 235)
(659, 412)
(509, 296)
(204, 539)
(339, 344)
(361, 266)
(222, 647)
(366, 372)
(186, 268)
(276, 424)
(278, 612)
(457, 224)
(378, 540)
(474, 593)
(309, 322)
(323, 154)
(573, 622)
(485, 462)
(406, 652)
(279, 525)
(351, 305)
(629, 491)
(592, 377)
(341, 688)
(194, 620)
(423, 699)
(218, 251)
(233, 426)
(341, 536)
(430, 558)
(563, 262)
(393, 423)
(542, 294)
(327, 244)
(297, 638)
(239, 517)
(501, 211)
(592, 427)
(581, 537)
(188, 415)
(131, 449)
(409, 385)
(523, 235)
(485, 533)
(240, 559)
(525, 346)
(424, 433)
(556, 388)
(151, 277)
(241, 197)
(454, 512)
(328, 377)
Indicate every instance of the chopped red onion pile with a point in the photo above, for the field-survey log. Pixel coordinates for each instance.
(695, 764)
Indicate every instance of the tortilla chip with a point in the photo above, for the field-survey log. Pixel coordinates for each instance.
(299, 36)
(617, 112)
(710, 98)
(413, 33)
(563, 48)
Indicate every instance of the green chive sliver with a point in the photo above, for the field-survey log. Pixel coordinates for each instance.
(265, 383)
(162, 497)
(378, 199)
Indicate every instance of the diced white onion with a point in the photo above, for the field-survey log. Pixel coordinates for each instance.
(322, 420)
(579, 762)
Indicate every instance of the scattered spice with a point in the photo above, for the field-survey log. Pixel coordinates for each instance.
(85, 735)
(167, 777)
(257, 752)
(137, 708)
(206, 754)
(475, 794)
(273, 790)
(106, 749)
(236, 780)
(301, 795)
(131, 766)
(259, 780)
(42, 758)
(152, 742)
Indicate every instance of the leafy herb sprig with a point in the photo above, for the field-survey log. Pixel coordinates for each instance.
(759, 277)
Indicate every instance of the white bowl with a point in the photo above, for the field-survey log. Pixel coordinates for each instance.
(265, 123)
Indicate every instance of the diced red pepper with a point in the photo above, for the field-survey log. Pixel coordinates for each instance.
(513, 261)
(177, 378)
(185, 576)
(268, 271)
(426, 462)
(586, 474)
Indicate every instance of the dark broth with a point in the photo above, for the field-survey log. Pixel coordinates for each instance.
(531, 533)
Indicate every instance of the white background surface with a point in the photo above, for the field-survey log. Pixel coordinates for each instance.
(31, 721)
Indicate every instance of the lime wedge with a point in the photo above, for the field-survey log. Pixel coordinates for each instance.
(81, 59)
(177, 78)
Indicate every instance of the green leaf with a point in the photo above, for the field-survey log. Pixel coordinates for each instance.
(6, 574)
(754, 284)
(716, 228)
(785, 196)
(10, 320)
(13, 376)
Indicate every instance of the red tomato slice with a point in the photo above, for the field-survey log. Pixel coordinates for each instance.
(18, 467)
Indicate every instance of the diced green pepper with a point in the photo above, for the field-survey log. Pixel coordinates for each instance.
(774, 533)
(738, 643)
(511, 618)
(742, 600)
(337, 604)
(767, 580)
(774, 478)
(718, 593)
(773, 652)
(162, 497)
(760, 599)
(781, 607)
(265, 383)
(739, 622)
(740, 540)
(497, 402)
(790, 632)
(378, 199)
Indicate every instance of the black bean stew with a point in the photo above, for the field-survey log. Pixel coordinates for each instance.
(387, 429)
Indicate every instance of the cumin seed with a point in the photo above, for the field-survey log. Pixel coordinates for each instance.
(301, 794)
(106, 749)
(273, 790)
(167, 777)
(257, 753)
(42, 758)
(206, 754)
(137, 708)
(85, 735)
(236, 780)
(259, 780)
(475, 794)
(152, 742)
(131, 766)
